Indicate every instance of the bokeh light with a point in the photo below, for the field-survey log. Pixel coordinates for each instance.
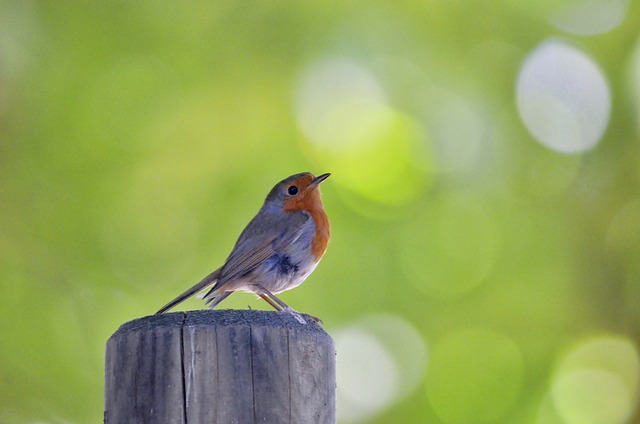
(375, 152)
(381, 360)
(554, 174)
(460, 128)
(19, 29)
(633, 81)
(339, 105)
(475, 375)
(563, 98)
(597, 381)
(624, 232)
(457, 239)
(589, 17)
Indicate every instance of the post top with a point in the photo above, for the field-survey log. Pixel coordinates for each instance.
(219, 318)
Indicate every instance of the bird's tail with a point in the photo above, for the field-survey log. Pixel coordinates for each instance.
(206, 282)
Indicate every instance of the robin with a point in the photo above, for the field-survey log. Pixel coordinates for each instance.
(277, 250)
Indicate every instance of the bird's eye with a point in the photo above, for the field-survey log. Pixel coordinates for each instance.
(292, 190)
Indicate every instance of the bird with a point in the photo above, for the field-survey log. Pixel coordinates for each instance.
(277, 250)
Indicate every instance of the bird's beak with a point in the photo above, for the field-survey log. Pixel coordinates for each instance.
(317, 180)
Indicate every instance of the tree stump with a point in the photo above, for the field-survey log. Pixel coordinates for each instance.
(220, 366)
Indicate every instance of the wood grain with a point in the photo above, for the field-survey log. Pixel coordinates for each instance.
(220, 366)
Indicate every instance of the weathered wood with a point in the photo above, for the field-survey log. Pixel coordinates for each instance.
(220, 367)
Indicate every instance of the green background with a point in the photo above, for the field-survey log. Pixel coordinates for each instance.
(479, 272)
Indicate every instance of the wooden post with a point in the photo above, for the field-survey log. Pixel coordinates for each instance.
(220, 366)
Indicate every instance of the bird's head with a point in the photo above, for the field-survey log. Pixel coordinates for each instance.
(297, 192)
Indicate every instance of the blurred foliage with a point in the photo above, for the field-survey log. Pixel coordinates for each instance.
(484, 263)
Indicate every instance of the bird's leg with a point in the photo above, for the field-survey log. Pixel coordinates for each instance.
(278, 304)
(273, 300)
(270, 302)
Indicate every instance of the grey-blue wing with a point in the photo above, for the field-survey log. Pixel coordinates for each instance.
(265, 235)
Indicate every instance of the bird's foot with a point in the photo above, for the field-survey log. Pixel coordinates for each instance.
(295, 314)
(299, 317)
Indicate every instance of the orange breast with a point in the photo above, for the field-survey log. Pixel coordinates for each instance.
(323, 233)
(312, 204)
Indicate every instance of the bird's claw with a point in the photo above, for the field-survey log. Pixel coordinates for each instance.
(316, 319)
(299, 317)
